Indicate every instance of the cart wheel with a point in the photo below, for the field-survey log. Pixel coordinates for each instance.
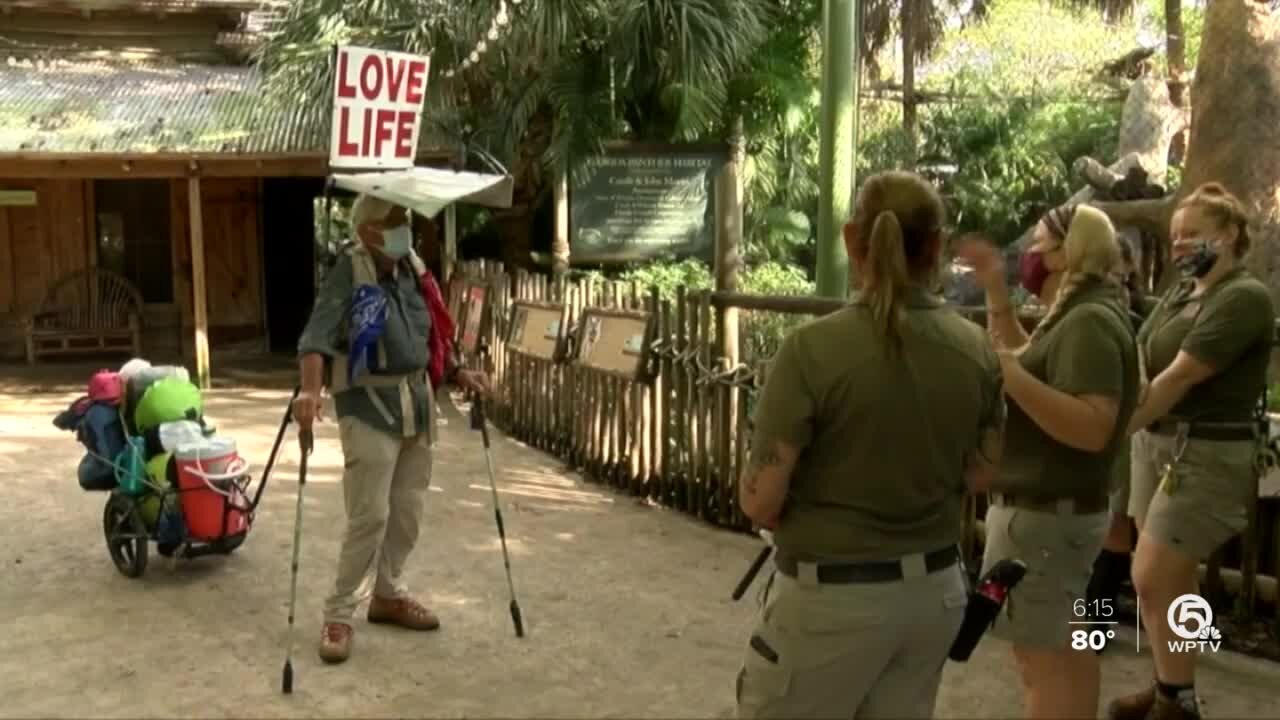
(126, 536)
(228, 545)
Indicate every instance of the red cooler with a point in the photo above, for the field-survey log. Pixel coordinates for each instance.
(213, 502)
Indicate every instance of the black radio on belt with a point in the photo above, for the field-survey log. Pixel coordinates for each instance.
(984, 606)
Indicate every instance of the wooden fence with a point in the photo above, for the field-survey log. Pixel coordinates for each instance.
(682, 439)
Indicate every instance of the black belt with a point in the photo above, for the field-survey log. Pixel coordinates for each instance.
(1224, 431)
(868, 572)
(1076, 506)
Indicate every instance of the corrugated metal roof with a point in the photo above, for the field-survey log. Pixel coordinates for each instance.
(83, 107)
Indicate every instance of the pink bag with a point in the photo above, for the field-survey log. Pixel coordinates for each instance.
(106, 386)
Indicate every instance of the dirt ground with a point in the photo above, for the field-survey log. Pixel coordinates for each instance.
(627, 606)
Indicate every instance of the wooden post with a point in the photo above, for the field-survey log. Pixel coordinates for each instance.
(560, 238)
(728, 241)
(199, 291)
(728, 265)
(449, 254)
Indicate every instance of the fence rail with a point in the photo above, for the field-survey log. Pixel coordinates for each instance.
(681, 440)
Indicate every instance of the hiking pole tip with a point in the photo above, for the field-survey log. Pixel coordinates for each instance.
(286, 681)
(516, 619)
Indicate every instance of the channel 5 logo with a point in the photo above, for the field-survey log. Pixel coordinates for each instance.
(1191, 619)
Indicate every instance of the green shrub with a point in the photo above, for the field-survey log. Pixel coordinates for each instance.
(759, 333)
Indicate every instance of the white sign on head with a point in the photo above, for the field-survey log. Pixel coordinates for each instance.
(377, 108)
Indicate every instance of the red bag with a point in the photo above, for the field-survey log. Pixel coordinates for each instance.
(440, 341)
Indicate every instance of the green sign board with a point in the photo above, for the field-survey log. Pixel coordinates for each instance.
(633, 207)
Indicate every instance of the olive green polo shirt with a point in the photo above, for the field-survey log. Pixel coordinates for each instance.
(1229, 328)
(1089, 350)
(884, 439)
(404, 337)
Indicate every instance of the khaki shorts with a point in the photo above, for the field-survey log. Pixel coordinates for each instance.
(865, 650)
(1208, 505)
(1059, 550)
(1118, 501)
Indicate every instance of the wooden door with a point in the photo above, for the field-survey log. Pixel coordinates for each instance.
(233, 261)
(232, 252)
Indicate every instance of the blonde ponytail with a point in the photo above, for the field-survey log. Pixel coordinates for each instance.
(886, 277)
(1072, 284)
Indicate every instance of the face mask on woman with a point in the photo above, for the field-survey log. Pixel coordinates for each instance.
(1032, 272)
(1199, 260)
(396, 242)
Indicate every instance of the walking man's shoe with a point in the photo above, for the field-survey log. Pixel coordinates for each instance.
(1133, 707)
(335, 642)
(404, 611)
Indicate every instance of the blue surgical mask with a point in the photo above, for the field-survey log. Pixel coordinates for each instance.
(396, 242)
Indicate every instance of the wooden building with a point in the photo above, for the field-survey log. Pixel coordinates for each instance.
(133, 137)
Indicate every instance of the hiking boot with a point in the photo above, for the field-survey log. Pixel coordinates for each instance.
(1133, 707)
(1166, 709)
(404, 612)
(335, 642)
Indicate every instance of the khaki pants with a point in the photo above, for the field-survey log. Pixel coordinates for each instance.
(384, 483)
(1209, 501)
(865, 650)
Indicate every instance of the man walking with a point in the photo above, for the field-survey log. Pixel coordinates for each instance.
(371, 322)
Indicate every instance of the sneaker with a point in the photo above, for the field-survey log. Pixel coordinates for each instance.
(335, 642)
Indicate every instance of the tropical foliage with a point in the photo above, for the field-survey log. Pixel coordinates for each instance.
(1008, 94)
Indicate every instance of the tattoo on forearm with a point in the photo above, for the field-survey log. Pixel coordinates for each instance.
(767, 456)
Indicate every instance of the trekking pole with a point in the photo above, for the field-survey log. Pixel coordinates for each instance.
(275, 447)
(478, 423)
(305, 441)
(750, 576)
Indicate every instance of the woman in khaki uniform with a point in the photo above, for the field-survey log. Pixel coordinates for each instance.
(1074, 384)
(873, 423)
(1207, 346)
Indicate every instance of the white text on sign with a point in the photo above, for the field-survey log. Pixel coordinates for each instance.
(377, 107)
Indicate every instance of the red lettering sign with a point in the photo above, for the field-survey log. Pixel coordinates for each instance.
(378, 97)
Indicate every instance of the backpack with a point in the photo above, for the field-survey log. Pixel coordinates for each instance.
(440, 336)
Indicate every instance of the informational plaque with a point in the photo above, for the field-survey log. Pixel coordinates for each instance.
(627, 206)
(614, 341)
(536, 329)
(473, 316)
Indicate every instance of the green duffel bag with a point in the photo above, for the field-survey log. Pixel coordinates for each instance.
(168, 400)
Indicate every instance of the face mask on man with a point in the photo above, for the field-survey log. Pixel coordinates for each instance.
(1199, 260)
(1032, 272)
(396, 242)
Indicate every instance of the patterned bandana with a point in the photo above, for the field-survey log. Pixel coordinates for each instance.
(368, 320)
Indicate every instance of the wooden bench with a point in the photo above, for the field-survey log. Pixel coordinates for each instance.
(90, 310)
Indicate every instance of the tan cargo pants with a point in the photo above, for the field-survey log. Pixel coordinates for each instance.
(867, 650)
(384, 483)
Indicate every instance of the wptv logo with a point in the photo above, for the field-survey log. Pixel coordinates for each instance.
(1191, 619)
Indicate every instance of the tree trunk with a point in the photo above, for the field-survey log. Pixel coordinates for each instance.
(908, 25)
(1235, 128)
(1235, 119)
(1175, 51)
